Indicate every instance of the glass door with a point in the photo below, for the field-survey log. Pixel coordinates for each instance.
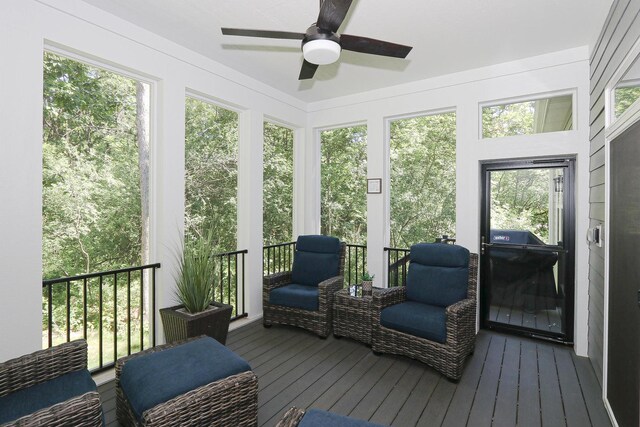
(527, 248)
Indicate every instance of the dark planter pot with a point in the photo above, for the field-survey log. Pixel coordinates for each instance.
(180, 325)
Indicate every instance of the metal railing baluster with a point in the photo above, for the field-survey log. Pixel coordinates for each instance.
(106, 305)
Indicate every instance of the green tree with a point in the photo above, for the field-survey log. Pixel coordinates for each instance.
(344, 184)
(423, 179)
(91, 196)
(508, 119)
(211, 172)
(520, 200)
(91, 191)
(624, 97)
(278, 184)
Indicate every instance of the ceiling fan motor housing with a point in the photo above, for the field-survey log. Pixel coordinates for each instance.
(320, 47)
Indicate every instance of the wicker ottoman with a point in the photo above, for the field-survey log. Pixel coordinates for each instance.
(352, 316)
(194, 382)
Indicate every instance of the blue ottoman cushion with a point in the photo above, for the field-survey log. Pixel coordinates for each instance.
(421, 320)
(318, 418)
(158, 377)
(31, 399)
(296, 296)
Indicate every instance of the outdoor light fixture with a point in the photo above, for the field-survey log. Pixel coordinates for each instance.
(321, 51)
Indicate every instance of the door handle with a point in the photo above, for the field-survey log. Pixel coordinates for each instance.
(484, 245)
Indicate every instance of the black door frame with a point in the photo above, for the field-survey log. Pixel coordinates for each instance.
(568, 163)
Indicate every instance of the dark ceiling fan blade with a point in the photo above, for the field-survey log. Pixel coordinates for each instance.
(308, 70)
(373, 46)
(262, 33)
(332, 13)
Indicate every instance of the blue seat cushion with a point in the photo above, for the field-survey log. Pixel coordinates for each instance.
(31, 399)
(317, 258)
(155, 378)
(296, 296)
(438, 274)
(318, 418)
(414, 318)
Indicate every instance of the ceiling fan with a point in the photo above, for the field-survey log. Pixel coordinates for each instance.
(320, 43)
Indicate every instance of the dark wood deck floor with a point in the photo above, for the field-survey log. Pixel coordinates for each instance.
(543, 320)
(509, 381)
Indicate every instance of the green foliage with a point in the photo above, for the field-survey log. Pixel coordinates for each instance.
(196, 272)
(211, 172)
(278, 184)
(520, 200)
(90, 185)
(91, 214)
(344, 184)
(423, 179)
(508, 119)
(367, 277)
(624, 97)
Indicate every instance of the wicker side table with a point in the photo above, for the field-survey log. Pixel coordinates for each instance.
(352, 316)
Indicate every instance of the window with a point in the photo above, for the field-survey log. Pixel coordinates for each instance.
(529, 200)
(529, 117)
(211, 172)
(95, 190)
(344, 184)
(278, 184)
(423, 179)
(627, 91)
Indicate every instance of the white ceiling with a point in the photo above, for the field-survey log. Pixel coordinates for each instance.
(447, 36)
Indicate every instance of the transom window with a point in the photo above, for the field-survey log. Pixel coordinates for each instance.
(550, 114)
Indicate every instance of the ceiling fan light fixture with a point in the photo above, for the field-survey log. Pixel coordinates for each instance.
(321, 51)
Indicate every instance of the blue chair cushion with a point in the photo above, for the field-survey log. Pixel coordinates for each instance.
(296, 296)
(31, 399)
(438, 274)
(155, 378)
(318, 243)
(318, 418)
(414, 318)
(439, 255)
(317, 258)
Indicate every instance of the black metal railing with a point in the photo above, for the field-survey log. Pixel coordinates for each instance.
(355, 264)
(113, 310)
(229, 281)
(397, 265)
(278, 258)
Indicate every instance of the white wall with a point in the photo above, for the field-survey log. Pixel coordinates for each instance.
(25, 27)
(463, 93)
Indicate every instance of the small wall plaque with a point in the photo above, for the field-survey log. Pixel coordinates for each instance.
(374, 185)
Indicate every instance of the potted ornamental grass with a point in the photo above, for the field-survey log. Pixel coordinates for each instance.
(196, 313)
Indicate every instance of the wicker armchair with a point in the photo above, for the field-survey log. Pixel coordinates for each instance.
(319, 320)
(46, 366)
(447, 357)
